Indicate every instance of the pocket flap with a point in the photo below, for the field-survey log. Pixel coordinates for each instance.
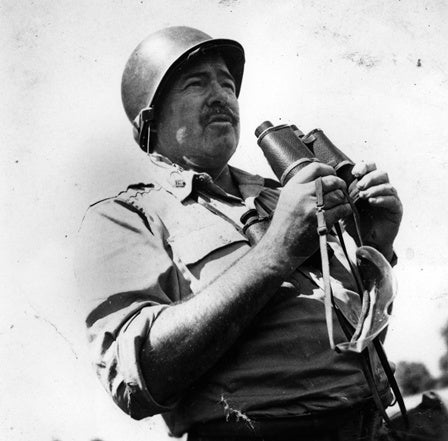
(194, 245)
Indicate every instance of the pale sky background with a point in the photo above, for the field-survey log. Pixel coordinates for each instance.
(349, 67)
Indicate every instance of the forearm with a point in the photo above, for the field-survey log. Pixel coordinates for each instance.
(188, 338)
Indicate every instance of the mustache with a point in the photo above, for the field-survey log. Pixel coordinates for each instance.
(220, 109)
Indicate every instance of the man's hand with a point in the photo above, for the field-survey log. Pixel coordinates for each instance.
(293, 228)
(381, 219)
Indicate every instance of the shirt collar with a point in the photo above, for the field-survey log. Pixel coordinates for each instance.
(180, 182)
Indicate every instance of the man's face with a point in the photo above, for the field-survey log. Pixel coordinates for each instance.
(198, 122)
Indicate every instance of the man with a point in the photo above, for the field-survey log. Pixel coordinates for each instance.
(185, 317)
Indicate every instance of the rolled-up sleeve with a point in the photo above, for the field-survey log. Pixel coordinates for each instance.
(126, 277)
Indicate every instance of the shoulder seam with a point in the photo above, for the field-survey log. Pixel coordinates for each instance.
(139, 189)
(137, 210)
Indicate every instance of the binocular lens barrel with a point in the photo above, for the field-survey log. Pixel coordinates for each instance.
(325, 151)
(285, 152)
(288, 151)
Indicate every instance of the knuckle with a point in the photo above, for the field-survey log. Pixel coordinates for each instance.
(329, 179)
(342, 184)
(323, 169)
(368, 166)
(390, 189)
(312, 168)
(340, 194)
(334, 182)
(347, 209)
(335, 196)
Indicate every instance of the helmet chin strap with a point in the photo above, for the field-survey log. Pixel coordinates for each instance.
(143, 126)
(148, 139)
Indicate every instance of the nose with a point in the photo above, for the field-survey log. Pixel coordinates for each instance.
(217, 94)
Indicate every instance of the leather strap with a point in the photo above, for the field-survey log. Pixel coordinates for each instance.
(322, 232)
(392, 381)
(202, 200)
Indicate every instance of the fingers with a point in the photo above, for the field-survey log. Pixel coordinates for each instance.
(336, 207)
(374, 177)
(313, 171)
(336, 213)
(336, 204)
(362, 168)
(391, 203)
(334, 198)
(333, 183)
(378, 190)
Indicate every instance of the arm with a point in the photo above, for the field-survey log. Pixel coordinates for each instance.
(187, 338)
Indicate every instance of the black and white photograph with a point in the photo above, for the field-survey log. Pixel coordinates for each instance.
(224, 220)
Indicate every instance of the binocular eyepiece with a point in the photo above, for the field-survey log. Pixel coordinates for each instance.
(288, 150)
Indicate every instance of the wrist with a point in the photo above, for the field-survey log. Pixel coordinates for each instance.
(279, 255)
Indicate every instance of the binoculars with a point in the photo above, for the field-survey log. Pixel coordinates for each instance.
(288, 150)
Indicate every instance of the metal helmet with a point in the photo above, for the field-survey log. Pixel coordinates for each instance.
(155, 62)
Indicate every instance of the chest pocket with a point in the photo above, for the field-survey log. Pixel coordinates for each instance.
(193, 246)
(203, 244)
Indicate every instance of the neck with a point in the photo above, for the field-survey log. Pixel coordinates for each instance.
(226, 182)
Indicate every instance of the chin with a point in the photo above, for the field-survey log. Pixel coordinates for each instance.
(222, 134)
(227, 142)
(214, 163)
(224, 152)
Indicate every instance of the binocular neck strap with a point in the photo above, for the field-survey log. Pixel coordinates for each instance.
(322, 231)
(356, 220)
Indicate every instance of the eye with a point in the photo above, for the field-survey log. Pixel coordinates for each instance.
(192, 83)
(229, 85)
